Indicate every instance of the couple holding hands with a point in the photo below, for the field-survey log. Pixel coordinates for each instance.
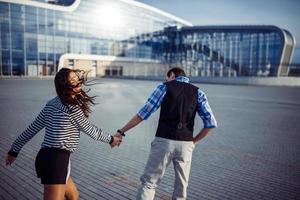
(66, 115)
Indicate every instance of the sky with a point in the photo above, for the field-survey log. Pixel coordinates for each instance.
(282, 13)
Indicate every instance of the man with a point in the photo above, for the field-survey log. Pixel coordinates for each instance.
(179, 101)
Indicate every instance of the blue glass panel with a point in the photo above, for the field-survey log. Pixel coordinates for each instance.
(3, 11)
(43, 56)
(3, 6)
(50, 22)
(6, 67)
(17, 40)
(16, 8)
(18, 63)
(5, 36)
(31, 48)
(59, 21)
(30, 19)
(42, 20)
(254, 58)
(17, 18)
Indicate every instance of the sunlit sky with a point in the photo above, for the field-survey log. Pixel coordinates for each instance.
(282, 13)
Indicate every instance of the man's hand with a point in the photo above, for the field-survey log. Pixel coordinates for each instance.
(9, 159)
(203, 133)
(117, 134)
(117, 140)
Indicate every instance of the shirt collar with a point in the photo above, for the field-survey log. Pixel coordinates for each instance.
(182, 79)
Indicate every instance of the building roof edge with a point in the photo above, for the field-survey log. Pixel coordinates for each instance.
(146, 6)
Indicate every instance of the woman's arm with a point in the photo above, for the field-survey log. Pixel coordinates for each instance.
(85, 126)
(37, 125)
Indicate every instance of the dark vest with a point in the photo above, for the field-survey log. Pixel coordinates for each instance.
(178, 110)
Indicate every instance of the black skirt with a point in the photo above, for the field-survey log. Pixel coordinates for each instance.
(52, 165)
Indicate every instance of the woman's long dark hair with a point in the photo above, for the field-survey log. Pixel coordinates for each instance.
(66, 93)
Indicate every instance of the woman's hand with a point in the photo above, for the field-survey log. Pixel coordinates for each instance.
(10, 159)
(117, 141)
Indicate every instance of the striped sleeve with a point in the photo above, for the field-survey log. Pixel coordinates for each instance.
(37, 125)
(205, 112)
(85, 126)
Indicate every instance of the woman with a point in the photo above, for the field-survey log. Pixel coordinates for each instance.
(63, 117)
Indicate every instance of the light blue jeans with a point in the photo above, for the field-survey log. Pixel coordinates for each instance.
(163, 151)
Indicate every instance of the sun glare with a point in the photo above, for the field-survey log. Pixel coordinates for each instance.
(109, 16)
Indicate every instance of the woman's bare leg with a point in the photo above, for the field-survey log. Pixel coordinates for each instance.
(54, 191)
(71, 190)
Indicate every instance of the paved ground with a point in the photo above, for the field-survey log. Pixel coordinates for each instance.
(254, 154)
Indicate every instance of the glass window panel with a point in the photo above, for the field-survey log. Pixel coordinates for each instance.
(31, 19)
(50, 22)
(18, 63)
(3, 9)
(6, 64)
(31, 48)
(5, 36)
(17, 40)
(42, 21)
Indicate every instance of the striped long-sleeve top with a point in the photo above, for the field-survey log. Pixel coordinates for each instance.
(62, 124)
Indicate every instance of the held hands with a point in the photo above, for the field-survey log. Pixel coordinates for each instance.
(116, 141)
(117, 138)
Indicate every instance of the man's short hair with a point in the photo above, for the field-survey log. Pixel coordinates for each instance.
(177, 72)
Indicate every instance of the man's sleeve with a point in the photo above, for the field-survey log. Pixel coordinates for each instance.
(205, 112)
(153, 102)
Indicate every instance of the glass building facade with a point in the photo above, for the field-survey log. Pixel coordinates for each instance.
(227, 50)
(35, 34)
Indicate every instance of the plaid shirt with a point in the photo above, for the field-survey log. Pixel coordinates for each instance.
(157, 96)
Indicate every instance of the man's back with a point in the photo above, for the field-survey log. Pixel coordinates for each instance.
(178, 110)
